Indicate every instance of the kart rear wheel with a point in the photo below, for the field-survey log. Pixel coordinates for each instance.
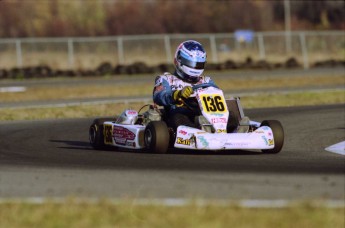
(96, 136)
(157, 137)
(278, 135)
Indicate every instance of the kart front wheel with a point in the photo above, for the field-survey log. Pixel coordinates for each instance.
(157, 137)
(278, 135)
(96, 136)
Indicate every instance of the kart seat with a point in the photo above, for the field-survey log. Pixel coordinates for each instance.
(243, 127)
(236, 110)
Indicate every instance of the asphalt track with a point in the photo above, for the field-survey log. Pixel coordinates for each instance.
(52, 158)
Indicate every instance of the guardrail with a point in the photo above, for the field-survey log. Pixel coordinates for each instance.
(89, 52)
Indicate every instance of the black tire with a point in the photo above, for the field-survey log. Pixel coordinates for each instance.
(179, 119)
(96, 136)
(278, 135)
(157, 137)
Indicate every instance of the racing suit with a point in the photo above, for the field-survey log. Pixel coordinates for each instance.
(163, 90)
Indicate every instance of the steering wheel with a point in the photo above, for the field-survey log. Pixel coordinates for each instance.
(195, 107)
(204, 85)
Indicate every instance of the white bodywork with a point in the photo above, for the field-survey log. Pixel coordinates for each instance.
(191, 138)
(213, 107)
(125, 133)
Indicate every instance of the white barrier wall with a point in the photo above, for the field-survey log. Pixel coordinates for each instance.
(89, 52)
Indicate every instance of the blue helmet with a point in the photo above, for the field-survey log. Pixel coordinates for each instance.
(190, 59)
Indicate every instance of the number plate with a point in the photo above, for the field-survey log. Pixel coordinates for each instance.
(213, 103)
(108, 134)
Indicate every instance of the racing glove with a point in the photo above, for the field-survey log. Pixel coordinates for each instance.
(184, 93)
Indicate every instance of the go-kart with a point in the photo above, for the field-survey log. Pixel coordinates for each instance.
(149, 130)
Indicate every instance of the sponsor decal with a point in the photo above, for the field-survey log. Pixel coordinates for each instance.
(182, 132)
(259, 132)
(216, 114)
(221, 131)
(121, 135)
(240, 144)
(270, 142)
(131, 112)
(218, 120)
(203, 141)
(183, 141)
(265, 139)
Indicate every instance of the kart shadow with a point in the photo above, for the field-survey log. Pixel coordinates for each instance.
(211, 152)
(82, 145)
(75, 145)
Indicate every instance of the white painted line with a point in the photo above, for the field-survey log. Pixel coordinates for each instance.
(264, 203)
(180, 202)
(12, 89)
(338, 148)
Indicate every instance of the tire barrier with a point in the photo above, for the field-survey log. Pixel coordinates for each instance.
(107, 69)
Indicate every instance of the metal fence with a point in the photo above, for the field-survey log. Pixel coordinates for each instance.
(89, 52)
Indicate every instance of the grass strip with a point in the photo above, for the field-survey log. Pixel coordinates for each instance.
(128, 214)
(131, 89)
(259, 101)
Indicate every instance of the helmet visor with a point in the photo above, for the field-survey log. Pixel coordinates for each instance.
(192, 64)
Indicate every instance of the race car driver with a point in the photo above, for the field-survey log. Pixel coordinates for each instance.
(169, 89)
